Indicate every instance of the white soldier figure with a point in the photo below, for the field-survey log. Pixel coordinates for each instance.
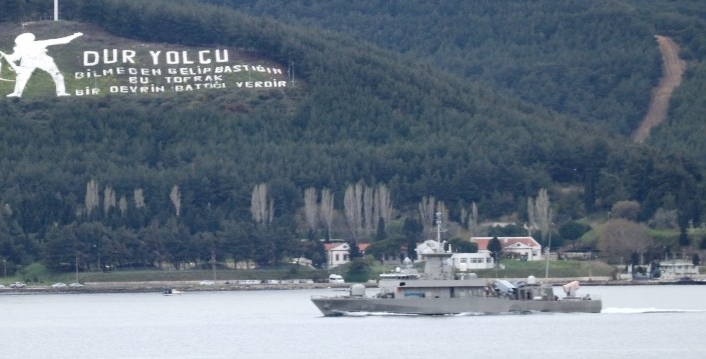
(32, 55)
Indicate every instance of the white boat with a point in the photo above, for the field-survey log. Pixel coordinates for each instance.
(171, 291)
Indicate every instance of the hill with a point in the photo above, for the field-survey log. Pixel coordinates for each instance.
(117, 179)
(596, 61)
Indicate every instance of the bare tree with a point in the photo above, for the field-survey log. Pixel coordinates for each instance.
(426, 212)
(625, 209)
(383, 203)
(473, 220)
(326, 209)
(92, 197)
(310, 208)
(530, 216)
(175, 196)
(122, 205)
(540, 213)
(260, 208)
(369, 222)
(619, 238)
(108, 199)
(270, 210)
(353, 207)
(139, 197)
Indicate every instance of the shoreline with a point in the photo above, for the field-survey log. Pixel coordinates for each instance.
(196, 286)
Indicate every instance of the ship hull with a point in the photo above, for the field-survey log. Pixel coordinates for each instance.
(336, 306)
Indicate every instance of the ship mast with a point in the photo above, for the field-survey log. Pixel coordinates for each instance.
(434, 263)
(437, 222)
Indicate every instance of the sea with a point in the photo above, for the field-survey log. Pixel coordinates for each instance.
(650, 321)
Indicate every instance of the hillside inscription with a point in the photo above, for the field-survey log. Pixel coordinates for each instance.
(130, 71)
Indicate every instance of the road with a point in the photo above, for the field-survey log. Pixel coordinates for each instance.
(673, 69)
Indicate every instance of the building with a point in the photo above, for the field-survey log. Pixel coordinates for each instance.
(677, 268)
(515, 247)
(338, 252)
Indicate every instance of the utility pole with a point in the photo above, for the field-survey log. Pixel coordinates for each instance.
(213, 263)
(56, 10)
(549, 246)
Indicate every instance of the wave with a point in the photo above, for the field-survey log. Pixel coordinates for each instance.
(473, 314)
(648, 310)
(464, 314)
(375, 314)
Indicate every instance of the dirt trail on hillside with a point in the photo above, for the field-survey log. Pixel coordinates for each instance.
(673, 69)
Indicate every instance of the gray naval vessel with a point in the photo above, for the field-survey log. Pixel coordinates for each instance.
(438, 290)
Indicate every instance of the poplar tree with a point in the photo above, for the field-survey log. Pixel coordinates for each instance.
(368, 210)
(310, 208)
(108, 199)
(92, 197)
(122, 205)
(353, 208)
(383, 204)
(138, 196)
(473, 220)
(426, 211)
(175, 197)
(260, 208)
(540, 213)
(326, 210)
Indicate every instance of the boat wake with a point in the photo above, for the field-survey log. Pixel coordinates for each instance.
(387, 314)
(647, 310)
(376, 314)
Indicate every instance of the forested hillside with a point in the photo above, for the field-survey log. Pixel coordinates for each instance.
(593, 60)
(178, 178)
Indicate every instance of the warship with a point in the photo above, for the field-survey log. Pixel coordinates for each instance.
(441, 290)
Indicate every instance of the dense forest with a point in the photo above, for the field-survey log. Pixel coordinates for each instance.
(593, 60)
(370, 109)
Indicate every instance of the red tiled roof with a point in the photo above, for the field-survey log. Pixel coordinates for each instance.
(332, 245)
(504, 241)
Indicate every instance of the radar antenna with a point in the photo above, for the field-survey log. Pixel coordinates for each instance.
(439, 230)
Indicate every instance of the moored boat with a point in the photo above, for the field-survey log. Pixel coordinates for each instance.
(438, 291)
(170, 291)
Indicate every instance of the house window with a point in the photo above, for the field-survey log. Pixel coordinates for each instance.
(337, 257)
(463, 260)
(345, 257)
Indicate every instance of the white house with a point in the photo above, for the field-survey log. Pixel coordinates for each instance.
(520, 247)
(676, 268)
(338, 253)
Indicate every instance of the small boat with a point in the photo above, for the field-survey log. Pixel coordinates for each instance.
(438, 290)
(170, 291)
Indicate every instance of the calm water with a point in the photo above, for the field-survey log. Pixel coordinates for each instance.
(636, 322)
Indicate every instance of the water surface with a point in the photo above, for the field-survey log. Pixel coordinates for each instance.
(636, 322)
